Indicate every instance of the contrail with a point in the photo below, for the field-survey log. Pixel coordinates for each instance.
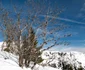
(64, 19)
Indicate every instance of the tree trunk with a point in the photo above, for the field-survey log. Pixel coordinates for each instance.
(20, 53)
(20, 60)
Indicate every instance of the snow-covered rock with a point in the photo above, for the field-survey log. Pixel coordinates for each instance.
(60, 59)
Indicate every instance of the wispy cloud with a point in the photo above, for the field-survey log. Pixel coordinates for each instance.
(68, 49)
(81, 14)
(79, 49)
(69, 20)
(83, 8)
(65, 19)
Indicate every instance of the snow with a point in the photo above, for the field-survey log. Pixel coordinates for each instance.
(48, 68)
(9, 61)
(54, 57)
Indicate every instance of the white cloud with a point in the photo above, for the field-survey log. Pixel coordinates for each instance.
(68, 48)
(79, 49)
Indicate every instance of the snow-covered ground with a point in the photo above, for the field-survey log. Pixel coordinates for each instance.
(52, 59)
(9, 61)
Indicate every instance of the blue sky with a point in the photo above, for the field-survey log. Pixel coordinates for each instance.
(73, 15)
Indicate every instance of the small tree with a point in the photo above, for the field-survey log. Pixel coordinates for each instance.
(27, 36)
(31, 53)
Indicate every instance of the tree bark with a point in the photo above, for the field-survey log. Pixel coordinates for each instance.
(20, 60)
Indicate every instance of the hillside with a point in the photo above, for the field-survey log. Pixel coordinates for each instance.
(52, 60)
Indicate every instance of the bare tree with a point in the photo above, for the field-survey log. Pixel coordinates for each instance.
(27, 36)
